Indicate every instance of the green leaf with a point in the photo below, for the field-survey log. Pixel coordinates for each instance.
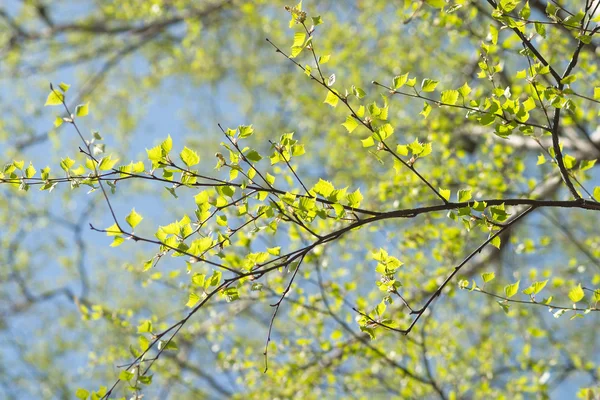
(167, 345)
(464, 90)
(525, 11)
(193, 299)
(445, 193)
(167, 145)
(82, 394)
(505, 307)
(350, 124)
(298, 45)
(597, 193)
(133, 219)
(107, 163)
(324, 188)
(597, 93)
(464, 195)
(199, 279)
(331, 99)
(400, 80)
(368, 142)
(535, 287)
(317, 20)
(426, 110)
(428, 85)
(576, 294)
(245, 131)
(511, 290)
(541, 159)
(509, 5)
(64, 87)
(82, 110)
(199, 246)
(299, 38)
(359, 93)
(117, 241)
(493, 34)
(189, 157)
(540, 29)
(450, 97)
(126, 375)
(215, 278)
(253, 155)
(324, 59)
(66, 163)
(270, 178)
(355, 198)
(569, 161)
(55, 98)
(145, 327)
(496, 242)
(384, 132)
(113, 230)
(155, 154)
(488, 276)
(586, 164)
(30, 171)
(436, 3)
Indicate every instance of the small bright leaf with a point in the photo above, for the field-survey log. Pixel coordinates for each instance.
(445, 193)
(145, 327)
(511, 290)
(576, 294)
(133, 218)
(350, 124)
(82, 110)
(193, 299)
(428, 85)
(449, 97)
(189, 157)
(331, 99)
(55, 98)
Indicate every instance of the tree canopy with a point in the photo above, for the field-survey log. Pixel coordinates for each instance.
(254, 199)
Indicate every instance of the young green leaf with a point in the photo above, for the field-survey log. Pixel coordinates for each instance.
(450, 97)
(400, 80)
(82, 394)
(133, 219)
(82, 110)
(350, 124)
(576, 294)
(488, 276)
(189, 157)
(464, 195)
(331, 99)
(511, 290)
(145, 327)
(55, 98)
(428, 85)
(445, 193)
(193, 299)
(496, 242)
(535, 287)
